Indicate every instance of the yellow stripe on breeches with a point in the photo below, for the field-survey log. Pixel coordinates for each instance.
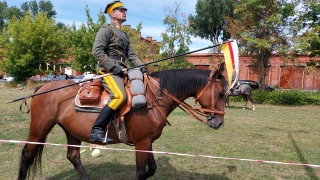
(115, 87)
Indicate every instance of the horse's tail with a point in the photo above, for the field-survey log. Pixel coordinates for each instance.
(30, 162)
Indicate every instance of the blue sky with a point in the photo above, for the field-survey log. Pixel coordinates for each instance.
(149, 12)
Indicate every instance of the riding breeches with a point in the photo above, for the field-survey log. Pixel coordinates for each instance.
(114, 85)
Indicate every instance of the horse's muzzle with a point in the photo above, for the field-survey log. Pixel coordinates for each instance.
(214, 122)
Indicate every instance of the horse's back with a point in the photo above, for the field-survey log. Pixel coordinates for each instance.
(245, 89)
(54, 94)
(58, 87)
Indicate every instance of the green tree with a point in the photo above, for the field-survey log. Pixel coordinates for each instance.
(80, 41)
(261, 26)
(35, 8)
(7, 13)
(176, 38)
(29, 43)
(140, 46)
(307, 41)
(210, 19)
(3, 9)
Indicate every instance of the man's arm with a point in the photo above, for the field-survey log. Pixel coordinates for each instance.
(100, 45)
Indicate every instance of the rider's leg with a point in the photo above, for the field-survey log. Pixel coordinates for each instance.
(115, 87)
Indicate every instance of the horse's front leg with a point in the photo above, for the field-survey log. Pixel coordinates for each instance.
(143, 159)
(227, 102)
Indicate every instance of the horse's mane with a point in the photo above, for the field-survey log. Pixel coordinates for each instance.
(182, 81)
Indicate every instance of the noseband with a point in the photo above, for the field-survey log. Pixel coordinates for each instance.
(192, 111)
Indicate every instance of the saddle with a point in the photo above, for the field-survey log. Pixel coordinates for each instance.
(92, 97)
(236, 86)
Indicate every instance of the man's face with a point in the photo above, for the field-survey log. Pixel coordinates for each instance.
(120, 14)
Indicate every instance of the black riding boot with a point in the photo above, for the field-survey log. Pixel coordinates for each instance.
(97, 133)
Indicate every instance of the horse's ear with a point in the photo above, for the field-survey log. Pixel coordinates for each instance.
(221, 67)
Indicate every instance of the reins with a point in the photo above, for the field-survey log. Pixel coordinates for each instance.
(24, 101)
(147, 78)
(192, 111)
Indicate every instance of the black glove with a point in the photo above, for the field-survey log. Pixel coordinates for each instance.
(117, 71)
(144, 70)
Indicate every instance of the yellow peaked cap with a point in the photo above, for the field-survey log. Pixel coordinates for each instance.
(113, 6)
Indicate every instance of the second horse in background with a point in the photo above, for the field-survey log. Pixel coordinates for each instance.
(243, 89)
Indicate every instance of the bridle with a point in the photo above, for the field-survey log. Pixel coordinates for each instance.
(212, 110)
(192, 111)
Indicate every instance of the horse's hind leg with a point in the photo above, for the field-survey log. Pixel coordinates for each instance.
(251, 100)
(73, 155)
(32, 153)
(245, 97)
(31, 156)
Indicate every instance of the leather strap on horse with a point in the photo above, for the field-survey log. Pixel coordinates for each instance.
(187, 108)
(24, 101)
(156, 98)
(210, 80)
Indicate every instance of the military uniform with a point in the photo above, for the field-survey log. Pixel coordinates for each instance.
(112, 41)
(111, 48)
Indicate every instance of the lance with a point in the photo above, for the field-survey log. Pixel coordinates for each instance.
(96, 77)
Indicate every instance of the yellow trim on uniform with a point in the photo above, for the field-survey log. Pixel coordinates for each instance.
(118, 96)
(115, 5)
(105, 58)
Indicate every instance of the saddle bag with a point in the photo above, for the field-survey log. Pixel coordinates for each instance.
(90, 93)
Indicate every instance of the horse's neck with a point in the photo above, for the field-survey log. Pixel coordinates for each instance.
(167, 103)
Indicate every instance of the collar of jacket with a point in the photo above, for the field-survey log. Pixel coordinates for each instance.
(114, 25)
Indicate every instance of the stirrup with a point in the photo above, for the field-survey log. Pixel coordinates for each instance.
(106, 139)
(95, 137)
(92, 138)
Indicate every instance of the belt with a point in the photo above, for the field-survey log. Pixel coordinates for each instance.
(115, 57)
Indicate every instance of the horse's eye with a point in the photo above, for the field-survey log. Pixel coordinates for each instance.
(221, 94)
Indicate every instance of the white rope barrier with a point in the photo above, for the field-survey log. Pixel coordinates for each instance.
(163, 152)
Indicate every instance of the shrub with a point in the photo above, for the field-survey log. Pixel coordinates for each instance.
(282, 97)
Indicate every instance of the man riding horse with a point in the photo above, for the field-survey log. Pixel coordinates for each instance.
(111, 48)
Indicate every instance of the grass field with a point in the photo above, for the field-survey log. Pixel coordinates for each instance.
(273, 133)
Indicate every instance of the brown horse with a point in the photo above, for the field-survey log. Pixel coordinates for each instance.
(143, 126)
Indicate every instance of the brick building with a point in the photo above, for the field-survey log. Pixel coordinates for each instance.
(284, 74)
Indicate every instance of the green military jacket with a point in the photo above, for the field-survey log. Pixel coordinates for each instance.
(112, 41)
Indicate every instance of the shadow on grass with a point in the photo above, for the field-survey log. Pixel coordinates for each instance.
(165, 171)
(238, 107)
(309, 170)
